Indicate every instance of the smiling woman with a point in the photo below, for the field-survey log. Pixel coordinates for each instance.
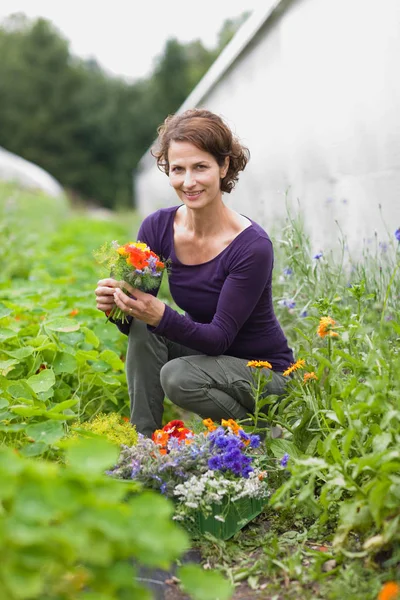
(220, 275)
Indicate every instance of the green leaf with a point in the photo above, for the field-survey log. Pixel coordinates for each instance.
(62, 324)
(43, 381)
(20, 390)
(90, 337)
(21, 353)
(35, 449)
(6, 334)
(381, 442)
(112, 359)
(280, 447)
(64, 405)
(47, 432)
(64, 363)
(92, 455)
(27, 411)
(204, 585)
(7, 365)
(4, 311)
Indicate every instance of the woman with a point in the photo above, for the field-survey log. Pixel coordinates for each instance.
(220, 275)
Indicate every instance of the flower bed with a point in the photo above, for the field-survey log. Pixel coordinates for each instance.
(215, 477)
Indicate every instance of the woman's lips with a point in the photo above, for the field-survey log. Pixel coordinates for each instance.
(193, 195)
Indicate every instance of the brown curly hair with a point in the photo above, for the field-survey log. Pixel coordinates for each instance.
(208, 132)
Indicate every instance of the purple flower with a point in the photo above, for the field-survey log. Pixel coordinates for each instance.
(215, 463)
(288, 271)
(383, 246)
(285, 460)
(303, 313)
(255, 441)
(163, 488)
(318, 255)
(397, 234)
(135, 468)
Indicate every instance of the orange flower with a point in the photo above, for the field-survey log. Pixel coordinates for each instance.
(259, 364)
(209, 423)
(232, 424)
(390, 591)
(125, 419)
(160, 437)
(295, 366)
(309, 377)
(325, 327)
(74, 312)
(262, 475)
(163, 451)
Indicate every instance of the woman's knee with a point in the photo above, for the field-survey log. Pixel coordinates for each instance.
(175, 378)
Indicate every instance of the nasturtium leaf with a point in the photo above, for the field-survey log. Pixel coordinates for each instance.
(4, 311)
(7, 365)
(92, 455)
(62, 324)
(20, 390)
(90, 337)
(47, 432)
(21, 353)
(43, 381)
(34, 449)
(112, 359)
(204, 585)
(6, 334)
(64, 363)
(3, 402)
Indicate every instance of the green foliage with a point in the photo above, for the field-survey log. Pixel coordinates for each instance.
(69, 533)
(110, 426)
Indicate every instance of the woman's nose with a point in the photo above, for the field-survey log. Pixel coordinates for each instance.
(189, 180)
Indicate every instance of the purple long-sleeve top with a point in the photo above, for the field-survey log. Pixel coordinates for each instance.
(227, 300)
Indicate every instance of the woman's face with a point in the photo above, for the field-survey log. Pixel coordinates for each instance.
(195, 175)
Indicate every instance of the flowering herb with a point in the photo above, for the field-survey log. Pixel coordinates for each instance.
(294, 367)
(219, 464)
(134, 263)
(285, 460)
(326, 326)
(397, 234)
(318, 255)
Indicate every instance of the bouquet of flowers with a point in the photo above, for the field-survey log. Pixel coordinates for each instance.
(201, 471)
(134, 263)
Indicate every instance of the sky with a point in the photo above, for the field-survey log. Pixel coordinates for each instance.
(126, 36)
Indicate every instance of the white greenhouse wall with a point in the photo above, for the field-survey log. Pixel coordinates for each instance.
(314, 92)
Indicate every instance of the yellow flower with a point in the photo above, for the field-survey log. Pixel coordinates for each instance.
(326, 326)
(259, 364)
(309, 377)
(140, 245)
(295, 366)
(209, 423)
(390, 591)
(121, 250)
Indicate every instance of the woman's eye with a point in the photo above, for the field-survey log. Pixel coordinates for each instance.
(201, 167)
(176, 169)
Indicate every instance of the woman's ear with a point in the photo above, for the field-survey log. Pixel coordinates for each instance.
(224, 169)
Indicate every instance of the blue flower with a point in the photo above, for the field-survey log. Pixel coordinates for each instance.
(255, 441)
(163, 488)
(303, 313)
(288, 271)
(285, 460)
(397, 234)
(318, 255)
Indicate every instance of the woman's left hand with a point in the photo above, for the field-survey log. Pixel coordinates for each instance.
(142, 306)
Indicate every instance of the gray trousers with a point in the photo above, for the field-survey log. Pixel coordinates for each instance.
(216, 387)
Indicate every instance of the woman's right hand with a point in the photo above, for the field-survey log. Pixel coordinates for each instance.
(105, 294)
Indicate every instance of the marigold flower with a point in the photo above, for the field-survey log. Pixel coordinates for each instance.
(259, 364)
(232, 424)
(309, 377)
(295, 366)
(209, 423)
(390, 591)
(326, 326)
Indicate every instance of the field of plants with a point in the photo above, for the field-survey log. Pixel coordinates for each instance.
(332, 526)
